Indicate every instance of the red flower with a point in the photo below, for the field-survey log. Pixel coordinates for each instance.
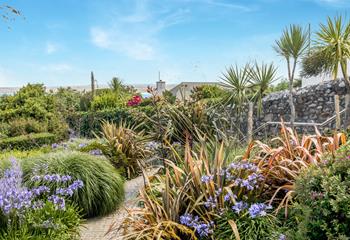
(136, 100)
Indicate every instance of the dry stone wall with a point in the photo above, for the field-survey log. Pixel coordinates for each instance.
(313, 104)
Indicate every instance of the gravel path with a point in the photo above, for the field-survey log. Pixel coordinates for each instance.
(96, 228)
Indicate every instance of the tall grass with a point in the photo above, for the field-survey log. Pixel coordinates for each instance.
(103, 187)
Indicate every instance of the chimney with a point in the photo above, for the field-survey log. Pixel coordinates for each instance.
(160, 86)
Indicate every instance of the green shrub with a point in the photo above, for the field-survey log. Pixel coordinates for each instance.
(29, 141)
(33, 102)
(207, 92)
(109, 100)
(103, 187)
(323, 195)
(23, 126)
(21, 154)
(85, 124)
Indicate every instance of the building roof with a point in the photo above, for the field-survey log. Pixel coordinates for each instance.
(193, 84)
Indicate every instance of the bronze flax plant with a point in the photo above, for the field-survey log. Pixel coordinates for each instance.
(288, 155)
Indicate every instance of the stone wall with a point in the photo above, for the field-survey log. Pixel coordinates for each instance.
(313, 104)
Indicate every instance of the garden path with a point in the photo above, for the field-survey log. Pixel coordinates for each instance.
(96, 228)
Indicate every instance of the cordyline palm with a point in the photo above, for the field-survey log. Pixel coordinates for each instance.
(333, 42)
(236, 81)
(116, 85)
(260, 77)
(292, 46)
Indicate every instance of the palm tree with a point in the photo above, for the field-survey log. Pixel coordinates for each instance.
(116, 85)
(261, 78)
(291, 46)
(333, 42)
(236, 81)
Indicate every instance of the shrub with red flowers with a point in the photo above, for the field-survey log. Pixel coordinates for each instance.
(135, 101)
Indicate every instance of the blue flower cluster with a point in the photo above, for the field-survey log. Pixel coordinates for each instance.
(96, 152)
(152, 146)
(207, 179)
(239, 206)
(201, 228)
(258, 210)
(282, 237)
(16, 199)
(12, 194)
(255, 210)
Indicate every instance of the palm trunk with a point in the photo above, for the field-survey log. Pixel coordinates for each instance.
(347, 107)
(347, 97)
(337, 112)
(291, 95)
(250, 122)
(336, 103)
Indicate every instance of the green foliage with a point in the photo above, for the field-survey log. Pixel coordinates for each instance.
(315, 63)
(103, 187)
(45, 223)
(29, 141)
(22, 126)
(21, 154)
(284, 85)
(88, 123)
(265, 227)
(169, 97)
(67, 101)
(124, 146)
(32, 102)
(333, 42)
(323, 195)
(189, 120)
(108, 100)
(208, 92)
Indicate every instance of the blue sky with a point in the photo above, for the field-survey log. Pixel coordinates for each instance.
(60, 42)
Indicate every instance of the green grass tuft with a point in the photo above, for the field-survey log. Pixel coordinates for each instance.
(103, 187)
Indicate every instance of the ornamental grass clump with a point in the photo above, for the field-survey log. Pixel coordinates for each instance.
(188, 201)
(103, 188)
(40, 211)
(287, 156)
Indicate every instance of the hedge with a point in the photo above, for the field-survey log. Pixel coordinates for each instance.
(85, 124)
(26, 142)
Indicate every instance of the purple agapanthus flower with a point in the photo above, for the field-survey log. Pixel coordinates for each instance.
(202, 228)
(206, 179)
(258, 210)
(16, 199)
(239, 206)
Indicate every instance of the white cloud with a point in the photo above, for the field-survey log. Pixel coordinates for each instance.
(56, 67)
(334, 3)
(135, 34)
(100, 37)
(128, 44)
(231, 5)
(51, 48)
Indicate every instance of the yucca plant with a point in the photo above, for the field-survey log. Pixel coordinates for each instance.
(287, 156)
(123, 145)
